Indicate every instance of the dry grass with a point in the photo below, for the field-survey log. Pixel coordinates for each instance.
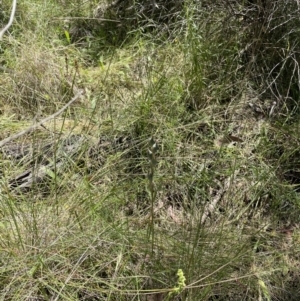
(114, 225)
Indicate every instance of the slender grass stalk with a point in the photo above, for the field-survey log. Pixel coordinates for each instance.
(152, 152)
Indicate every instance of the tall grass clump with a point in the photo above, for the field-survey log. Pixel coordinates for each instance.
(271, 50)
(212, 40)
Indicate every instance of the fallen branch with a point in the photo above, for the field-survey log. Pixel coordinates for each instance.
(38, 173)
(36, 125)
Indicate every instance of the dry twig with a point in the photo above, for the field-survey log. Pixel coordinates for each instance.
(36, 125)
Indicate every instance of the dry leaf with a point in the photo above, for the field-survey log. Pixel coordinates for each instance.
(226, 139)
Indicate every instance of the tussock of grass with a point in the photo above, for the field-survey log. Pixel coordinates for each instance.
(180, 190)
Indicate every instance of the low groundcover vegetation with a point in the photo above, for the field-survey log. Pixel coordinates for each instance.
(150, 150)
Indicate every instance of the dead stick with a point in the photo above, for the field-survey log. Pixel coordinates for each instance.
(211, 206)
(36, 125)
(209, 209)
(11, 19)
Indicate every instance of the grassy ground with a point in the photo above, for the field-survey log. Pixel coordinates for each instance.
(200, 204)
